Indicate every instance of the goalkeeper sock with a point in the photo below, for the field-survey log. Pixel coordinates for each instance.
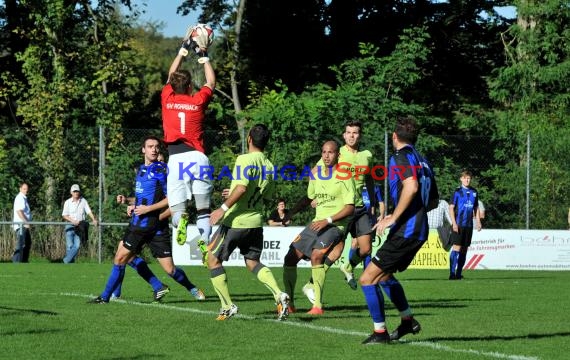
(220, 282)
(265, 276)
(290, 280)
(141, 267)
(181, 278)
(204, 227)
(319, 275)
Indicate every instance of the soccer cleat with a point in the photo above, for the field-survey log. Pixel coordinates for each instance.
(158, 295)
(348, 275)
(115, 297)
(98, 300)
(283, 307)
(377, 338)
(198, 294)
(309, 291)
(181, 229)
(315, 311)
(406, 327)
(204, 250)
(292, 309)
(227, 313)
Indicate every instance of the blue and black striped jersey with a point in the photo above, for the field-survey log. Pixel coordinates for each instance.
(466, 201)
(150, 188)
(413, 223)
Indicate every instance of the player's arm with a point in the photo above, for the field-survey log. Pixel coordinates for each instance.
(410, 187)
(234, 196)
(143, 209)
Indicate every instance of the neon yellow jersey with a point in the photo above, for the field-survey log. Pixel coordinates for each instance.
(332, 194)
(252, 170)
(348, 161)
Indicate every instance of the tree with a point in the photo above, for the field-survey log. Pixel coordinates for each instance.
(533, 94)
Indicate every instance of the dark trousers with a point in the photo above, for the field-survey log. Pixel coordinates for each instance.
(23, 246)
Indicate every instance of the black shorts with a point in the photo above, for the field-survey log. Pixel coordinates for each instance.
(226, 239)
(323, 241)
(159, 242)
(359, 223)
(396, 254)
(463, 237)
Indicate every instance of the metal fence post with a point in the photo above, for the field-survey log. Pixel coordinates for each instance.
(528, 180)
(101, 183)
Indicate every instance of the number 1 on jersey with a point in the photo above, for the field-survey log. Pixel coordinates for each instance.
(182, 117)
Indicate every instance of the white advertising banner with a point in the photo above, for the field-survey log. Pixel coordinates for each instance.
(276, 241)
(519, 250)
(490, 249)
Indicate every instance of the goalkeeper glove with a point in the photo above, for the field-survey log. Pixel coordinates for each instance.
(188, 45)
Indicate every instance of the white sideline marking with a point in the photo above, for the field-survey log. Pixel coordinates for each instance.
(428, 344)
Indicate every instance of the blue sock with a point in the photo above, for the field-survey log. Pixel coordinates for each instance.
(141, 267)
(181, 278)
(115, 278)
(117, 291)
(367, 260)
(460, 263)
(375, 302)
(453, 259)
(395, 292)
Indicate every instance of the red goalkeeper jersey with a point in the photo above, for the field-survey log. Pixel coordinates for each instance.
(183, 116)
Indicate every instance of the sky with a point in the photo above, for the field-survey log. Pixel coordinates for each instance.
(164, 11)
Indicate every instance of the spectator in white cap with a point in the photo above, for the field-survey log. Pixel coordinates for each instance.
(74, 211)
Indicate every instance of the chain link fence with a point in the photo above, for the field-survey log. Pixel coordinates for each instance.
(104, 173)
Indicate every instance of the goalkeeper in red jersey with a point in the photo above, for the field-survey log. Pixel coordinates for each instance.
(183, 118)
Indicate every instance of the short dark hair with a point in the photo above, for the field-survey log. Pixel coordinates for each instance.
(466, 172)
(259, 135)
(353, 123)
(151, 137)
(180, 81)
(406, 129)
(281, 200)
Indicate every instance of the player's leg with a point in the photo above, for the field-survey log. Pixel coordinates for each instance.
(397, 256)
(176, 187)
(324, 242)
(375, 302)
(122, 257)
(333, 255)
(220, 248)
(466, 237)
(161, 248)
(201, 188)
(290, 274)
(454, 253)
(251, 248)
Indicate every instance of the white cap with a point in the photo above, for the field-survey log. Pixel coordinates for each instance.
(75, 187)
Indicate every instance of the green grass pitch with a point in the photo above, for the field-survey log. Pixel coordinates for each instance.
(519, 315)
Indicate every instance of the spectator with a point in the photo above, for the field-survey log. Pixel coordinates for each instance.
(278, 216)
(435, 221)
(74, 210)
(22, 215)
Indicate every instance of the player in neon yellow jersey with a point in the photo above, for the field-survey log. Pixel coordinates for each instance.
(242, 225)
(335, 205)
